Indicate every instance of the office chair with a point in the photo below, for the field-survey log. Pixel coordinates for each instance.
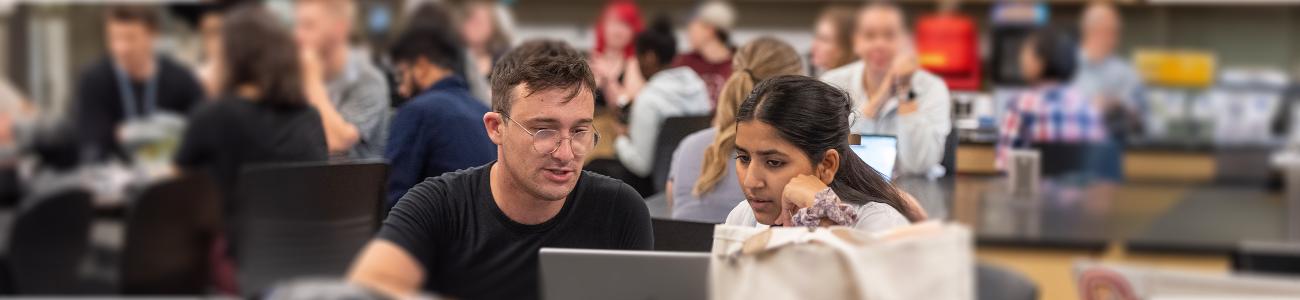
(303, 220)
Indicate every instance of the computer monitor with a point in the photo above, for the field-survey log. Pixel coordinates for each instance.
(618, 274)
(880, 152)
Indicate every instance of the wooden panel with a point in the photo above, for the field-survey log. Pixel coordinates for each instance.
(1138, 164)
(975, 159)
(1172, 166)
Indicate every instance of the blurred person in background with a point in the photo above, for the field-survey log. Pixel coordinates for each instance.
(709, 36)
(485, 36)
(350, 93)
(794, 164)
(1052, 111)
(535, 195)
(891, 95)
(134, 82)
(209, 25)
(441, 128)
(16, 112)
(1107, 79)
(486, 28)
(262, 115)
(613, 60)
(702, 184)
(670, 92)
(832, 45)
(17, 116)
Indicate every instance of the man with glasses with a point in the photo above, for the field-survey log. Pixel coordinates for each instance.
(441, 129)
(475, 233)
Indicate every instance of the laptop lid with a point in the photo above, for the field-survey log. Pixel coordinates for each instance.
(619, 274)
(880, 152)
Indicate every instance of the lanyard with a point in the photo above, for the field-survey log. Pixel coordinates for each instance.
(127, 92)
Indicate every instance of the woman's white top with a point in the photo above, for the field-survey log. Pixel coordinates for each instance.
(872, 217)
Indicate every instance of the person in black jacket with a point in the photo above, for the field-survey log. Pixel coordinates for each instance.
(261, 115)
(132, 82)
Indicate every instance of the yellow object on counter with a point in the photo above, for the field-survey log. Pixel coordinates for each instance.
(1176, 67)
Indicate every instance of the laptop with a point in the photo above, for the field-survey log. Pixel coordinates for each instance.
(619, 274)
(880, 152)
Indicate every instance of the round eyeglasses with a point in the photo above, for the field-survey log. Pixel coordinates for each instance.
(547, 141)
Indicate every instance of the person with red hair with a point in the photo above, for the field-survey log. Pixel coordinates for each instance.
(612, 61)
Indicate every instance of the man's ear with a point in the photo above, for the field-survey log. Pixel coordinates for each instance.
(829, 165)
(493, 122)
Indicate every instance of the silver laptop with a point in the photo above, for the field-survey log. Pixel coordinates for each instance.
(615, 274)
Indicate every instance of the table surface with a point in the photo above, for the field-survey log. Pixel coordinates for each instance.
(1163, 217)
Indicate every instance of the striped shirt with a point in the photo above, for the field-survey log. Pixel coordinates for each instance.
(1049, 114)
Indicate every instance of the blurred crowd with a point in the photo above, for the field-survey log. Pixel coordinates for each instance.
(270, 88)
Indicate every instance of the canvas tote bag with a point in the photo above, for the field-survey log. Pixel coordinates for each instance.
(923, 261)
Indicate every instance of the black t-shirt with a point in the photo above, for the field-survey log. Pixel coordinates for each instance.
(469, 248)
(100, 109)
(223, 136)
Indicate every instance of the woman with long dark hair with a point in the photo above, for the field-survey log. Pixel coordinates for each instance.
(795, 167)
(261, 114)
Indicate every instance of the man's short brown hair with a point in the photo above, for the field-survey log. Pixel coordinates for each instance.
(145, 15)
(542, 65)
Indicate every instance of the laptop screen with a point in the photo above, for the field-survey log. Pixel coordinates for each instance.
(879, 152)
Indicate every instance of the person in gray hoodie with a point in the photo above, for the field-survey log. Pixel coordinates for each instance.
(672, 92)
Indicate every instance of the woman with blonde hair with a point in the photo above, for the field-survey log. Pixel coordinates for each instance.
(702, 183)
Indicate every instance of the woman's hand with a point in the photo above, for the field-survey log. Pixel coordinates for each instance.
(800, 193)
(801, 190)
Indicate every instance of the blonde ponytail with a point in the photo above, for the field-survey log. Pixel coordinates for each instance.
(763, 58)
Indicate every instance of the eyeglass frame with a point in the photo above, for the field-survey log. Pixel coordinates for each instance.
(595, 136)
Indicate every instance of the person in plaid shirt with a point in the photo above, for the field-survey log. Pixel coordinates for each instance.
(1051, 111)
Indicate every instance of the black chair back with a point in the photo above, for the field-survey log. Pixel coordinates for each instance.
(1061, 159)
(673, 131)
(303, 220)
(687, 236)
(949, 161)
(48, 242)
(170, 228)
(997, 283)
(1267, 258)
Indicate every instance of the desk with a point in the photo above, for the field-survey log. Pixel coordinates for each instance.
(1176, 226)
(1159, 217)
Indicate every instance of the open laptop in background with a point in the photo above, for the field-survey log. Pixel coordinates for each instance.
(618, 274)
(880, 152)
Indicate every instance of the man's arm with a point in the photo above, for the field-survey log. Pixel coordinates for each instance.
(340, 135)
(366, 108)
(922, 133)
(387, 268)
(636, 149)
